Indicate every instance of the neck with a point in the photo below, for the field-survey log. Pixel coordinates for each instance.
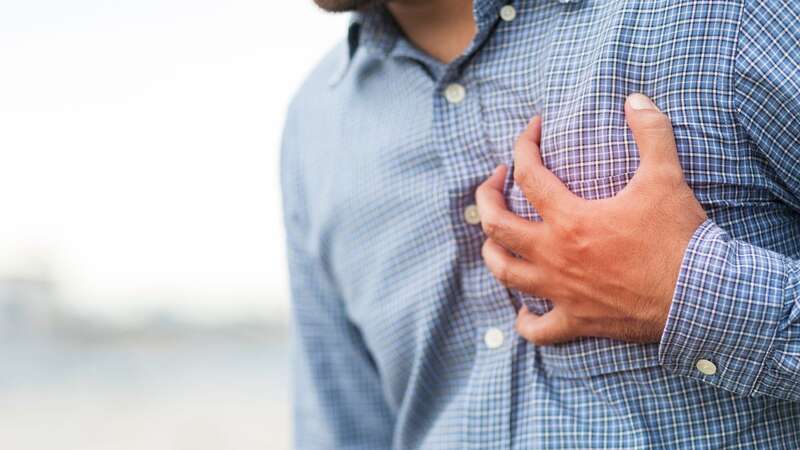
(441, 28)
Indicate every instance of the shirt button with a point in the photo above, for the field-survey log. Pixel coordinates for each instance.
(493, 338)
(471, 215)
(706, 367)
(455, 93)
(508, 13)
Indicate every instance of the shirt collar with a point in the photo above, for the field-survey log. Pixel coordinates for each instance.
(376, 31)
(373, 29)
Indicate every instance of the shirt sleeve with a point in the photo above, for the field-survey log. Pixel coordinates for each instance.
(338, 399)
(735, 317)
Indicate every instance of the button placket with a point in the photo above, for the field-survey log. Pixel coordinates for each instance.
(493, 338)
(471, 215)
(455, 93)
(508, 13)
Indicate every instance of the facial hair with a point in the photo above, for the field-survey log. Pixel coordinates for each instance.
(347, 5)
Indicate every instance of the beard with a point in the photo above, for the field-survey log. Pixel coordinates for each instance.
(348, 5)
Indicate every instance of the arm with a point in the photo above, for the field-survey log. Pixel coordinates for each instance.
(736, 304)
(338, 400)
(726, 312)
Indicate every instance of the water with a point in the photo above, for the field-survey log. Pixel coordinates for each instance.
(198, 392)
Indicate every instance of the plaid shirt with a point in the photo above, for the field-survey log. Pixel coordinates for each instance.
(404, 339)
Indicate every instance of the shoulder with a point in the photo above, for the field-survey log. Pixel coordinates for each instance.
(316, 89)
(312, 101)
(769, 37)
(780, 7)
(768, 74)
(312, 109)
(776, 21)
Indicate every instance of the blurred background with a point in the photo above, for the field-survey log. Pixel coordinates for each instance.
(143, 289)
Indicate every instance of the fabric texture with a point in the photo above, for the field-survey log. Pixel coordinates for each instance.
(392, 300)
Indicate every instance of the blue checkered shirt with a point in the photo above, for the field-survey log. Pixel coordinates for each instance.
(404, 340)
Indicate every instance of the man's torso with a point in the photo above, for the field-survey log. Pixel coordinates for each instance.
(393, 165)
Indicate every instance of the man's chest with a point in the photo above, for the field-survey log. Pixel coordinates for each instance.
(418, 149)
(397, 224)
(574, 65)
(581, 63)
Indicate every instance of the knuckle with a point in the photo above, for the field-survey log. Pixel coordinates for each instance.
(539, 337)
(544, 194)
(534, 338)
(582, 250)
(580, 319)
(491, 223)
(527, 331)
(521, 176)
(485, 250)
(502, 272)
(572, 228)
(480, 191)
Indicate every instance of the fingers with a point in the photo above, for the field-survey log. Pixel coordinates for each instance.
(540, 186)
(501, 225)
(517, 273)
(509, 270)
(497, 179)
(550, 328)
(652, 131)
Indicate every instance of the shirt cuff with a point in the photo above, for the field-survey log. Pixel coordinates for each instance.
(725, 311)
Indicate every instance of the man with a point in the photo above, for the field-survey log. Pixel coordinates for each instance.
(549, 224)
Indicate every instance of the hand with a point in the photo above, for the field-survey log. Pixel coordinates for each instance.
(609, 266)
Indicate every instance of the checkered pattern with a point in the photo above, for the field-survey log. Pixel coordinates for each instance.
(392, 300)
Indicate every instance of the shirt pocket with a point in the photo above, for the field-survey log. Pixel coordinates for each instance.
(587, 356)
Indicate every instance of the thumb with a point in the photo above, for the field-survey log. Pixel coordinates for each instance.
(547, 329)
(652, 131)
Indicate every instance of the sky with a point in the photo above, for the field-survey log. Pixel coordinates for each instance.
(139, 148)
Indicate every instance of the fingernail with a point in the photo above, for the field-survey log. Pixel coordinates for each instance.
(640, 101)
